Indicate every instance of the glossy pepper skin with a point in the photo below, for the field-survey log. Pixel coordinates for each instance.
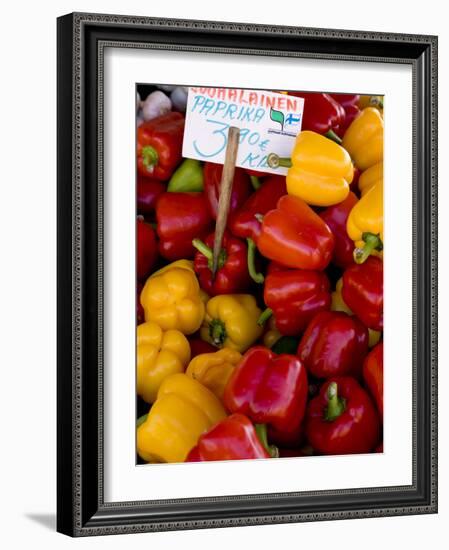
(373, 376)
(148, 192)
(342, 419)
(181, 217)
(214, 369)
(159, 145)
(321, 112)
(336, 218)
(349, 102)
(365, 223)
(172, 300)
(321, 170)
(232, 274)
(231, 321)
(334, 344)
(183, 411)
(364, 139)
(188, 177)
(146, 248)
(241, 187)
(295, 236)
(270, 389)
(295, 297)
(244, 223)
(370, 177)
(338, 304)
(362, 291)
(234, 438)
(159, 354)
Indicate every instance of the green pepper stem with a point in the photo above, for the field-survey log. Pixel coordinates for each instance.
(217, 332)
(203, 248)
(150, 157)
(274, 161)
(265, 315)
(335, 405)
(261, 431)
(372, 242)
(333, 136)
(255, 276)
(255, 182)
(141, 420)
(209, 254)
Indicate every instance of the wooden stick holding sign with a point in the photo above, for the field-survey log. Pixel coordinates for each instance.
(224, 200)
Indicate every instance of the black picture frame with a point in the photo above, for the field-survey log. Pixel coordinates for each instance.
(81, 509)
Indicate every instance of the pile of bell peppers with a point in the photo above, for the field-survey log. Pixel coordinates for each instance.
(279, 353)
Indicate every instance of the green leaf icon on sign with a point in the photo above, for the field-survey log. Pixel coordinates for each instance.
(277, 116)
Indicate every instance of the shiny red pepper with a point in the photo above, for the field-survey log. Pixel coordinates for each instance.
(241, 187)
(244, 223)
(335, 217)
(181, 217)
(295, 297)
(342, 419)
(373, 376)
(363, 291)
(232, 273)
(334, 344)
(148, 191)
(321, 112)
(349, 102)
(159, 145)
(295, 236)
(233, 438)
(146, 248)
(270, 389)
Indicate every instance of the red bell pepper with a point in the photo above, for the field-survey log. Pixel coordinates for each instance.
(362, 291)
(334, 344)
(342, 419)
(148, 191)
(295, 236)
(245, 223)
(295, 297)
(146, 248)
(373, 375)
(234, 438)
(322, 113)
(349, 102)
(241, 187)
(181, 217)
(159, 145)
(335, 217)
(270, 389)
(232, 273)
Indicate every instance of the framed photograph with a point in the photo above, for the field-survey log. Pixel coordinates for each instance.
(247, 274)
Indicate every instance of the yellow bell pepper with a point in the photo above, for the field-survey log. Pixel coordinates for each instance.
(376, 101)
(184, 409)
(159, 354)
(231, 321)
(172, 300)
(214, 369)
(364, 139)
(365, 224)
(338, 304)
(182, 264)
(320, 170)
(371, 177)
